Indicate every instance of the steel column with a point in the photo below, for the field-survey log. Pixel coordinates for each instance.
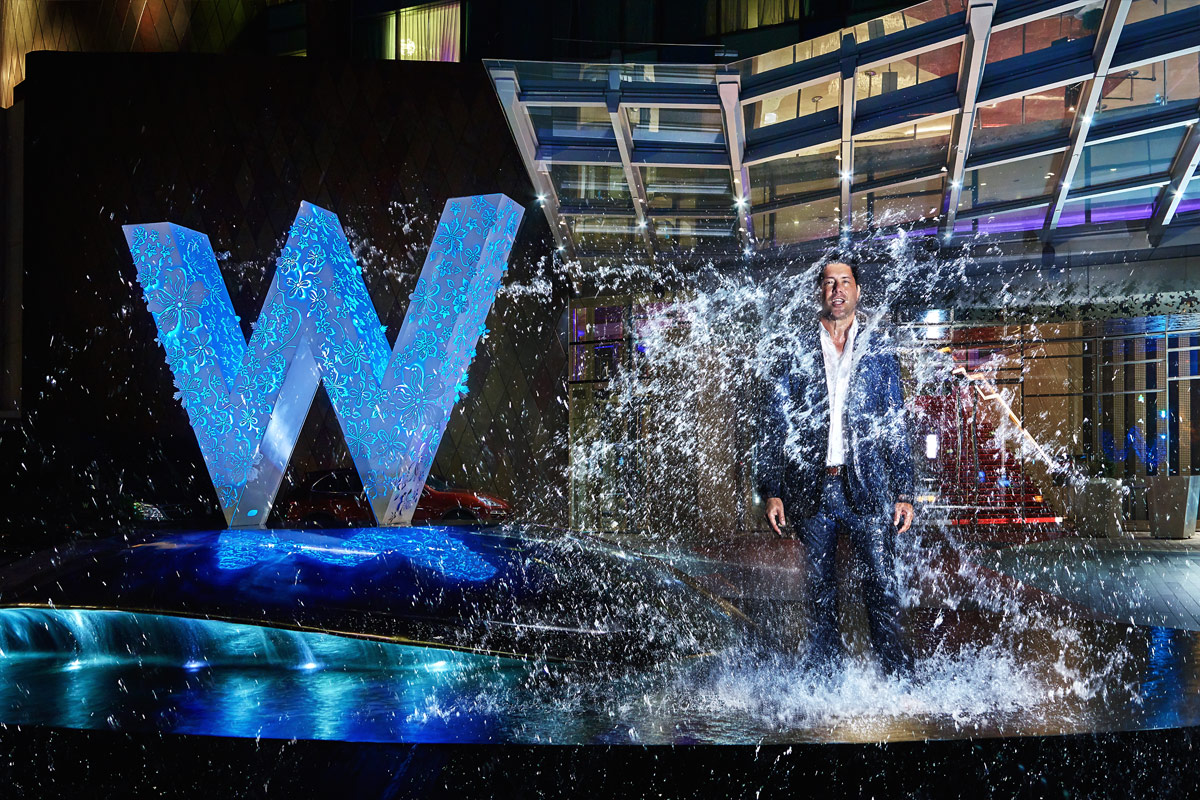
(980, 14)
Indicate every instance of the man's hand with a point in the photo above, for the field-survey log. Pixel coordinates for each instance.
(775, 516)
(902, 518)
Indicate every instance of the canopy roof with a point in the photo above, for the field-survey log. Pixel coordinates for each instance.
(949, 119)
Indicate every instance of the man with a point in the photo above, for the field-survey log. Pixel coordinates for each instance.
(835, 455)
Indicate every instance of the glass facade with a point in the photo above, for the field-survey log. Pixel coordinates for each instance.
(1118, 207)
(1013, 180)
(812, 170)
(907, 72)
(907, 19)
(1042, 116)
(1146, 88)
(591, 186)
(605, 234)
(651, 124)
(896, 205)
(701, 234)
(679, 189)
(903, 124)
(1038, 34)
(572, 125)
(1131, 157)
(817, 220)
(900, 151)
(821, 96)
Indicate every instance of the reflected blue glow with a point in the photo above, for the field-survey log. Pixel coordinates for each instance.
(429, 548)
(123, 671)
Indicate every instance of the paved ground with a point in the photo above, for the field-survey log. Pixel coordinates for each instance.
(1148, 581)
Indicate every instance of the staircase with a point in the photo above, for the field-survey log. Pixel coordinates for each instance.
(968, 487)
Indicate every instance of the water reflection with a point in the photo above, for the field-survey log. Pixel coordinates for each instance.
(110, 670)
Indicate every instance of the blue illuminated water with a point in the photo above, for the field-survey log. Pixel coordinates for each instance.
(134, 672)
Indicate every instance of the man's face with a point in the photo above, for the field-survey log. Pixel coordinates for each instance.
(839, 291)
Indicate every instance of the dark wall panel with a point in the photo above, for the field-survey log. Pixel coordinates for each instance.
(230, 146)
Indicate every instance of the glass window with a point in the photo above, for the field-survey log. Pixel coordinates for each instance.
(696, 233)
(812, 170)
(1027, 219)
(428, 33)
(897, 205)
(1043, 115)
(694, 126)
(1131, 205)
(906, 72)
(1015, 180)
(1148, 9)
(1131, 157)
(566, 124)
(1039, 34)
(1132, 92)
(534, 71)
(793, 105)
(1191, 198)
(817, 220)
(898, 151)
(596, 362)
(597, 323)
(787, 56)
(604, 234)
(908, 18)
(678, 188)
(591, 185)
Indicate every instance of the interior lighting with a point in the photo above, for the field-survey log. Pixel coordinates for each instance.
(845, 176)
(740, 202)
(931, 445)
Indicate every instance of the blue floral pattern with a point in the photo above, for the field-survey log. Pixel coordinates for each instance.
(393, 402)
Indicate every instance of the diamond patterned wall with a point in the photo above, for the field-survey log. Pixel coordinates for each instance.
(230, 146)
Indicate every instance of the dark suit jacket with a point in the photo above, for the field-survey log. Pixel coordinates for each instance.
(795, 427)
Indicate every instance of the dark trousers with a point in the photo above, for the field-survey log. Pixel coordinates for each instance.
(872, 539)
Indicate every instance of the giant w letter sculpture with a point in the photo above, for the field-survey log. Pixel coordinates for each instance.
(247, 402)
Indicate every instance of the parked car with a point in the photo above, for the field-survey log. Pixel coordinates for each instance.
(334, 498)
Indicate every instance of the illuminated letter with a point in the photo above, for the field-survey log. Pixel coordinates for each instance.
(247, 402)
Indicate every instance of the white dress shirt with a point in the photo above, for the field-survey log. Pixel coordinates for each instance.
(837, 379)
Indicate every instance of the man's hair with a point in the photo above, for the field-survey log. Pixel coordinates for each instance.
(838, 257)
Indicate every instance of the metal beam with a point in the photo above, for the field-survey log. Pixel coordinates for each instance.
(849, 63)
(1182, 172)
(729, 87)
(509, 90)
(980, 14)
(1109, 33)
(633, 175)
